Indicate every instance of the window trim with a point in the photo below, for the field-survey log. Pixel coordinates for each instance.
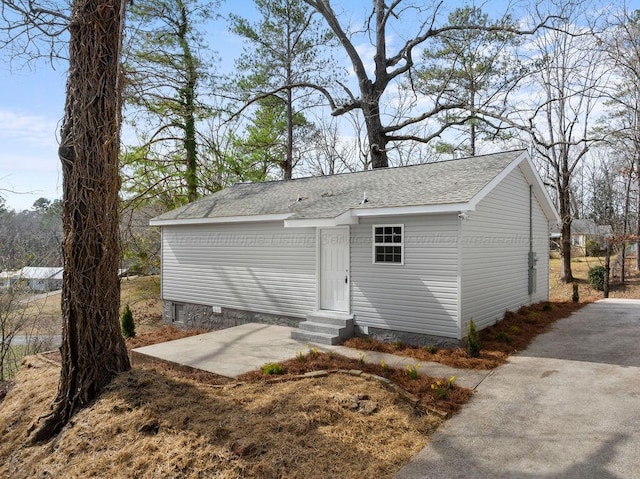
(374, 244)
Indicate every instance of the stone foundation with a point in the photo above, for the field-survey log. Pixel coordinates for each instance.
(412, 339)
(197, 316)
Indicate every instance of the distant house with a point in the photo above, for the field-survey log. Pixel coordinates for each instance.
(410, 253)
(7, 278)
(582, 231)
(39, 279)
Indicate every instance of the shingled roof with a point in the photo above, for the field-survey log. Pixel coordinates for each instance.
(439, 183)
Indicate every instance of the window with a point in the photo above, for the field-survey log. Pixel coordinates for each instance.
(178, 313)
(388, 244)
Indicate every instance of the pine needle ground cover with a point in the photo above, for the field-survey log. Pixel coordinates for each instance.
(152, 423)
(514, 333)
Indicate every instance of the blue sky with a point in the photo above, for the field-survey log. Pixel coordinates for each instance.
(31, 106)
(32, 102)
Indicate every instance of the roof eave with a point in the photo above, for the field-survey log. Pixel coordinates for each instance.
(528, 169)
(217, 220)
(353, 216)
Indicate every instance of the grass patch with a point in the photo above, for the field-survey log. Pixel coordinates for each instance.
(141, 293)
(560, 292)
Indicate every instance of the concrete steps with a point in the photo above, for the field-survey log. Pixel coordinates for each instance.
(324, 327)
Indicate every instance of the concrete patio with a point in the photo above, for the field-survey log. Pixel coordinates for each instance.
(234, 351)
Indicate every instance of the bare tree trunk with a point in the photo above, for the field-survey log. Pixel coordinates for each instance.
(625, 226)
(472, 131)
(638, 214)
(607, 268)
(375, 134)
(93, 350)
(288, 162)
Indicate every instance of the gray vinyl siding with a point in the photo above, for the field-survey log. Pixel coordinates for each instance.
(252, 267)
(419, 296)
(495, 245)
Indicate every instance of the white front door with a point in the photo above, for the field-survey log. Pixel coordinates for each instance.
(334, 269)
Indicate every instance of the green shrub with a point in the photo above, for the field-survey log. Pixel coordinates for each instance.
(547, 307)
(592, 248)
(272, 368)
(596, 277)
(576, 294)
(473, 340)
(127, 324)
(503, 337)
(412, 370)
(431, 349)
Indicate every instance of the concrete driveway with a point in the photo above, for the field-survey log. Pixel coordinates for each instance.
(567, 407)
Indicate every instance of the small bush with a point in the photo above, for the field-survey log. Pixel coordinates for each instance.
(127, 324)
(473, 340)
(384, 366)
(547, 307)
(576, 294)
(502, 337)
(441, 390)
(412, 370)
(592, 248)
(431, 349)
(596, 277)
(272, 368)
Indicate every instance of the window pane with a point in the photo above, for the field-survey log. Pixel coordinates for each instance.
(387, 244)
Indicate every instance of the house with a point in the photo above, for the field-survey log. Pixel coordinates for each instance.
(582, 231)
(39, 278)
(409, 253)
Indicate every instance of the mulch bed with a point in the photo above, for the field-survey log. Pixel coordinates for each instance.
(441, 394)
(514, 333)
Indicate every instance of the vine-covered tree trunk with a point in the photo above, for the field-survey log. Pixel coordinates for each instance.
(93, 349)
(564, 195)
(188, 94)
